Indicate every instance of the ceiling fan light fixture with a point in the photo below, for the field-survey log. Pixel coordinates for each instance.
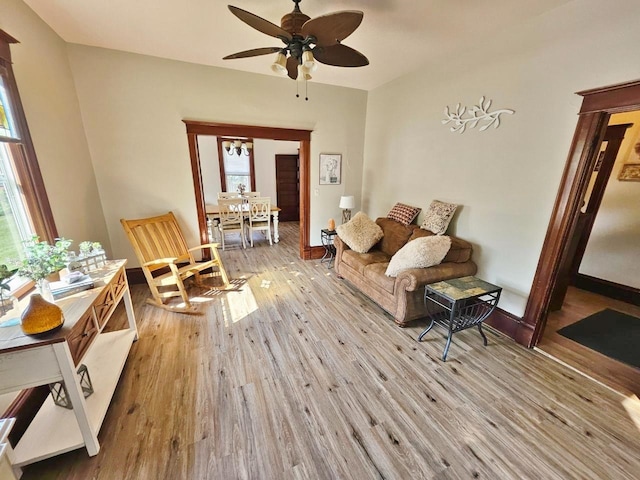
(308, 62)
(279, 65)
(303, 74)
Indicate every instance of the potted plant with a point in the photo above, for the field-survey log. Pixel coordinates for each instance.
(41, 260)
(7, 301)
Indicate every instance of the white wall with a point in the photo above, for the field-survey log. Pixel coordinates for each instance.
(613, 251)
(265, 163)
(505, 180)
(51, 106)
(264, 159)
(133, 107)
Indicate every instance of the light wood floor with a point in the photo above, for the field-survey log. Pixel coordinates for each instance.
(298, 376)
(579, 304)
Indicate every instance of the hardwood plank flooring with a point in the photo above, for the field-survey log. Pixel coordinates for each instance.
(296, 375)
(578, 305)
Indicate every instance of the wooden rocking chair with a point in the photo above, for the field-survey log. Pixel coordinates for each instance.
(159, 243)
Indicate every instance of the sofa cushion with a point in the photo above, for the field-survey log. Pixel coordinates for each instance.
(438, 216)
(404, 214)
(360, 233)
(374, 273)
(358, 261)
(395, 235)
(420, 253)
(459, 252)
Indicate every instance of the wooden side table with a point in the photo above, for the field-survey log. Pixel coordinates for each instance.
(329, 248)
(458, 304)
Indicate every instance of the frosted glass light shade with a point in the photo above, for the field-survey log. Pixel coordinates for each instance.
(279, 65)
(226, 145)
(347, 201)
(308, 62)
(303, 74)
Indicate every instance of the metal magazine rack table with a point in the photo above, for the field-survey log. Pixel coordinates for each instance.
(458, 304)
(329, 249)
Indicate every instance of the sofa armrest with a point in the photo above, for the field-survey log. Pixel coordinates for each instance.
(340, 247)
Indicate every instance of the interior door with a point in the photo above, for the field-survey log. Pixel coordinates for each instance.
(288, 187)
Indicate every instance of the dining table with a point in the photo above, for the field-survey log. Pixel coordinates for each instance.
(213, 214)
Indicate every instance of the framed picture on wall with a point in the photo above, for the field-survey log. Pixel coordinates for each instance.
(630, 172)
(330, 169)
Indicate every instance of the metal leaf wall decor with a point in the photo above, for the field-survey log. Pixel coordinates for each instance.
(474, 115)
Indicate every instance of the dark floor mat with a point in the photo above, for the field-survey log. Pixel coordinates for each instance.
(612, 333)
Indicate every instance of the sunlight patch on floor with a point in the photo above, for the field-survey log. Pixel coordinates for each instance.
(632, 406)
(238, 305)
(265, 284)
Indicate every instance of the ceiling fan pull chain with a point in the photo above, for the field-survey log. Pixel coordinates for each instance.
(306, 90)
(297, 94)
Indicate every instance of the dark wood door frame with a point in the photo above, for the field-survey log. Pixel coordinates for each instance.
(195, 128)
(597, 105)
(577, 245)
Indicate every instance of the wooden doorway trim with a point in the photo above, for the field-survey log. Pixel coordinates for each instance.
(195, 128)
(597, 105)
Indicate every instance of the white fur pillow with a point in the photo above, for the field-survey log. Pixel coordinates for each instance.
(419, 253)
(360, 233)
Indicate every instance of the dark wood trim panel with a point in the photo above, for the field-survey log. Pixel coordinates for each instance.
(227, 129)
(609, 289)
(195, 128)
(506, 322)
(316, 253)
(591, 128)
(196, 172)
(5, 41)
(24, 155)
(611, 99)
(305, 198)
(567, 204)
(24, 408)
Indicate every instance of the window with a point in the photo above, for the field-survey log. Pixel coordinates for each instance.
(236, 164)
(24, 206)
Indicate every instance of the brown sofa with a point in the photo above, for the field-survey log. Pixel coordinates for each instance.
(403, 296)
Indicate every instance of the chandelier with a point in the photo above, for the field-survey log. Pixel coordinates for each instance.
(237, 146)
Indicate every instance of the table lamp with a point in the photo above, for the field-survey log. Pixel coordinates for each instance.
(347, 202)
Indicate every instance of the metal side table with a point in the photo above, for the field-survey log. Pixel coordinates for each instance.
(329, 249)
(458, 304)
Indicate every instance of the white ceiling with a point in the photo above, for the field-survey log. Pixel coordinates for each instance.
(398, 36)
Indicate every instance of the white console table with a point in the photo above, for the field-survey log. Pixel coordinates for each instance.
(28, 362)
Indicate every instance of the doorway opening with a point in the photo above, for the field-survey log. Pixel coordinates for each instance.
(568, 254)
(198, 128)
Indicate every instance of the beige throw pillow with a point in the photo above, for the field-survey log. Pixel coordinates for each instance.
(437, 218)
(419, 253)
(360, 233)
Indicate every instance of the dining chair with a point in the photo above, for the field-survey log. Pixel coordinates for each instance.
(231, 218)
(226, 195)
(259, 217)
(251, 194)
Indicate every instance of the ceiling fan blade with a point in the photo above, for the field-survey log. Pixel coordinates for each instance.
(340, 56)
(253, 53)
(292, 67)
(260, 24)
(333, 27)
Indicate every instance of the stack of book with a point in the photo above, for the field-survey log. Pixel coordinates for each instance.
(63, 289)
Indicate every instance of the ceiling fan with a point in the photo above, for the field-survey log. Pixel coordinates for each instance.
(305, 41)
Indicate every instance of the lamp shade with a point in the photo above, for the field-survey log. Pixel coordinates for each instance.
(279, 66)
(347, 201)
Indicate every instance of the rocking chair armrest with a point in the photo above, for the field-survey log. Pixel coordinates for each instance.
(205, 245)
(159, 261)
